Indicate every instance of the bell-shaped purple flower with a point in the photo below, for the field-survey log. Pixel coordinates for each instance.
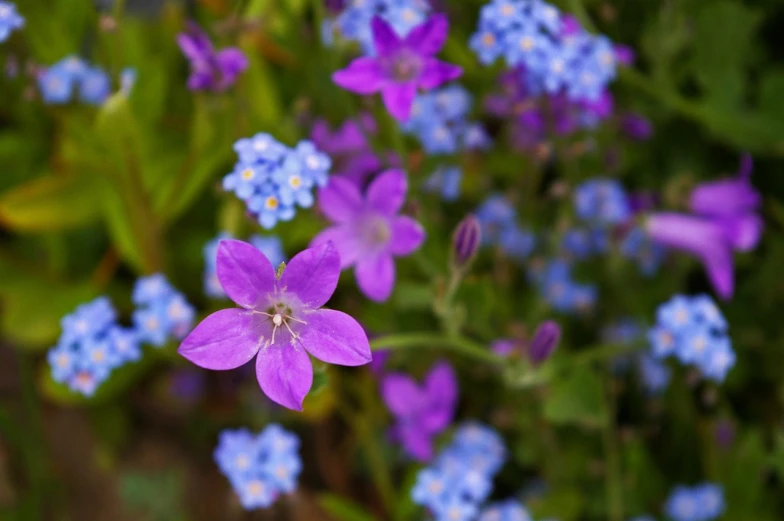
(421, 411)
(279, 321)
(210, 70)
(368, 231)
(727, 197)
(401, 66)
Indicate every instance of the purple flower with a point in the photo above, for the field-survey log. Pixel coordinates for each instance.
(210, 70)
(368, 233)
(279, 320)
(401, 65)
(544, 342)
(421, 411)
(727, 197)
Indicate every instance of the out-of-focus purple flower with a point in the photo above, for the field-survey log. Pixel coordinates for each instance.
(421, 412)
(505, 346)
(466, 240)
(401, 65)
(636, 126)
(368, 232)
(544, 342)
(210, 70)
(624, 55)
(380, 359)
(727, 197)
(280, 319)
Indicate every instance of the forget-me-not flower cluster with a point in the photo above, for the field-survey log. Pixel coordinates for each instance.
(704, 502)
(694, 331)
(260, 467)
(602, 202)
(558, 287)
(91, 346)
(507, 510)
(271, 246)
(274, 179)
(59, 82)
(639, 247)
(460, 479)
(162, 312)
(555, 53)
(353, 23)
(445, 181)
(10, 20)
(498, 219)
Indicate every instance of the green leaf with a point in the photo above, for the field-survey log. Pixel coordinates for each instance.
(343, 509)
(50, 203)
(576, 398)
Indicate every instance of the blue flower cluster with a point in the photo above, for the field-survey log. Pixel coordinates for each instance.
(648, 255)
(498, 219)
(58, 82)
(439, 120)
(654, 373)
(554, 52)
(602, 202)
(161, 311)
(10, 20)
(508, 510)
(270, 246)
(454, 486)
(91, 346)
(445, 181)
(353, 23)
(261, 466)
(695, 332)
(273, 179)
(703, 502)
(581, 243)
(556, 284)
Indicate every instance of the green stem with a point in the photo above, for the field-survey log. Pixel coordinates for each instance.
(456, 344)
(614, 486)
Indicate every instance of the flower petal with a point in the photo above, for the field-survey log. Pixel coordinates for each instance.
(285, 374)
(398, 98)
(231, 61)
(344, 240)
(441, 388)
(246, 275)
(313, 275)
(401, 394)
(387, 192)
(429, 37)
(335, 338)
(226, 339)
(362, 76)
(376, 277)
(407, 236)
(416, 442)
(340, 200)
(437, 72)
(743, 231)
(385, 39)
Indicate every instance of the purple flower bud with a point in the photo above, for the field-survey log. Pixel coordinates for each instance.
(465, 241)
(545, 340)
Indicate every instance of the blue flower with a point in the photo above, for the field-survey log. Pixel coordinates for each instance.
(94, 86)
(508, 510)
(162, 311)
(259, 467)
(446, 182)
(577, 243)
(273, 179)
(655, 374)
(560, 290)
(517, 242)
(638, 246)
(10, 20)
(602, 201)
(495, 215)
(703, 502)
(58, 82)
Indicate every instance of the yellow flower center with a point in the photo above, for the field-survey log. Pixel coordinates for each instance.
(248, 174)
(295, 181)
(271, 203)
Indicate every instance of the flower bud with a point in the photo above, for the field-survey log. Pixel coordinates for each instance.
(544, 342)
(465, 241)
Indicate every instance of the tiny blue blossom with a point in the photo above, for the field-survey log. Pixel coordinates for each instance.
(648, 255)
(162, 312)
(10, 20)
(560, 290)
(445, 181)
(703, 502)
(654, 373)
(59, 82)
(508, 510)
(260, 467)
(95, 86)
(602, 201)
(495, 215)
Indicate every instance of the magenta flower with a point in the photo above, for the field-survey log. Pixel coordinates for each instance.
(401, 65)
(368, 233)
(279, 320)
(421, 412)
(210, 70)
(725, 221)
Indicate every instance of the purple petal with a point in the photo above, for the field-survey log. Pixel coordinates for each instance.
(345, 241)
(362, 76)
(385, 39)
(313, 275)
(701, 237)
(340, 200)
(398, 98)
(387, 193)
(285, 374)
(401, 394)
(231, 62)
(726, 197)
(416, 442)
(407, 236)
(226, 339)
(376, 277)
(195, 44)
(336, 338)
(247, 276)
(743, 232)
(437, 72)
(429, 37)
(441, 387)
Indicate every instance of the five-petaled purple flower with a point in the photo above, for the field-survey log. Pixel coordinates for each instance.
(210, 70)
(724, 220)
(368, 232)
(401, 65)
(421, 411)
(279, 320)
